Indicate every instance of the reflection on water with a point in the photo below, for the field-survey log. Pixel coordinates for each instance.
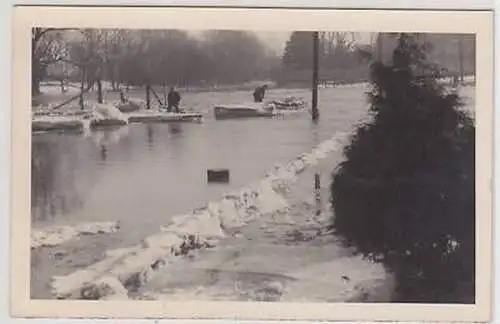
(54, 187)
(175, 128)
(155, 171)
(104, 152)
(150, 136)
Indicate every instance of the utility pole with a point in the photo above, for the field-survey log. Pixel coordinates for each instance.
(315, 112)
(461, 58)
(148, 95)
(378, 43)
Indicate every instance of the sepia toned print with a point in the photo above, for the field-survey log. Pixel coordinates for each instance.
(258, 167)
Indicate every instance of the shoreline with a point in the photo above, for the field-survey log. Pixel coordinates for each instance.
(120, 272)
(468, 79)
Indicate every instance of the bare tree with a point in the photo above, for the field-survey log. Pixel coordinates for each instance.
(47, 47)
(87, 53)
(117, 43)
(89, 56)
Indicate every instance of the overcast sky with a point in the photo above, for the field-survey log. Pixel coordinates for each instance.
(276, 40)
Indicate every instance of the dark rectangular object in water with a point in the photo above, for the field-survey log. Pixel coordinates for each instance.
(218, 175)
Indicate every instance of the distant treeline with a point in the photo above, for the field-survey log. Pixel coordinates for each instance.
(455, 53)
(173, 57)
(342, 60)
(139, 57)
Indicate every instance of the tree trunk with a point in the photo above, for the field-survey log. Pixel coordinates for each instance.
(165, 92)
(35, 84)
(82, 87)
(90, 84)
(62, 86)
(99, 92)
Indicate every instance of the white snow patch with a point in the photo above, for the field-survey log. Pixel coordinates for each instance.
(200, 223)
(106, 288)
(137, 264)
(108, 111)
(228, 214)
(268, 200)
(162, 240)
(107, 114)
(57, 122)
(116, 253)
(348, 278)
(52, 236)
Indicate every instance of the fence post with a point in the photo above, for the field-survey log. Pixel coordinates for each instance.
(315, 112)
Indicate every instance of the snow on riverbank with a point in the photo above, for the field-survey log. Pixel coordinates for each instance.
(131, 268)
(103, 115)
(98, 115)
(55, 235)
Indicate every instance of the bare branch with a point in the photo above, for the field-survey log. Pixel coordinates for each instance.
(65, 102)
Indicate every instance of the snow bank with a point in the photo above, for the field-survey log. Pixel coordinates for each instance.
(48, 123)
(98, 115)
(202, 228)
(107, 115)
(117, 114)
(56, 235)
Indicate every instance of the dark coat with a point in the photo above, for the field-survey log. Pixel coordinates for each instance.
(173, 98)
(259, 93)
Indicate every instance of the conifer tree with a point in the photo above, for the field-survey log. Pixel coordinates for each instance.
(405, 194)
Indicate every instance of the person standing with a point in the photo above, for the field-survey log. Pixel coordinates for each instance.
(259, 93)
(123, 97)
(173, 100)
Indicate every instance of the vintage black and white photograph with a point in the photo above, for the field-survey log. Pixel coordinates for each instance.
(277, 166)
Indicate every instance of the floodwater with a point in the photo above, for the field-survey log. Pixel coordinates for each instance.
(144, 174)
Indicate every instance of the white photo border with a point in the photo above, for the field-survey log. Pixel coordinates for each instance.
(26, 17)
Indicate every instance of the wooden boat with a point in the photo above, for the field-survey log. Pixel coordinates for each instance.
(162, 117)
(242, 111)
